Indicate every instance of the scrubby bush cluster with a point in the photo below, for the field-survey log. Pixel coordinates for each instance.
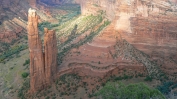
(131, 91)
(11, 51)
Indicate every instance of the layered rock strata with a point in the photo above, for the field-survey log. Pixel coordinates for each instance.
(12, 30)
(114, 8)
(12, 20)
(145, 25)
(42, 64)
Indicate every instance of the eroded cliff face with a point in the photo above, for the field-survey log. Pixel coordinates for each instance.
(132, 14)
(13, 14)
(114, 8)
(13, 8)
(13, 18)
(43, 64)
(149, 25)
(122, 10)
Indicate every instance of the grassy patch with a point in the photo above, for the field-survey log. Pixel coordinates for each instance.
(11, 51)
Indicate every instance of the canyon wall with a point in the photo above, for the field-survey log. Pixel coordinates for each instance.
(131, 15)
(13, 18)
(42, 64)
(13, 8)
(114, 8)
(13, 14)
(148, 25)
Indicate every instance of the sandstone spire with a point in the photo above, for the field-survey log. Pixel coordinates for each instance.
(50, 49)
(37, 74)
(43, 65)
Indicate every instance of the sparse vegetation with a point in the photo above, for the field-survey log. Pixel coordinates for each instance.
(148, 78)
(22, 92)
(26, 62)
(165, 87)
(122, 77)
(13, 50)
(131, 91)
(87, 38)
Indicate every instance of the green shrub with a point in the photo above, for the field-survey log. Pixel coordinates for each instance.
(47, 97)
(24, 89)
(148, 78)
(131, 91)
(25, 74)
(165, 87)
(26, 62)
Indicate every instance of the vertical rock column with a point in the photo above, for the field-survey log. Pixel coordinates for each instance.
(50, 49)
(37, 74)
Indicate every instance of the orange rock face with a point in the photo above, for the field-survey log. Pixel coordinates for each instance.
(50, 48)
(147, 25)
(42, 65)
(37, 74)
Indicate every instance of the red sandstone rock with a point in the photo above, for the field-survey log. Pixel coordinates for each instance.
(37, 75)
(43, 65)
(11, 30)
(50, 49)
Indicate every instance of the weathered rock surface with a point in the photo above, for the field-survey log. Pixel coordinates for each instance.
(148, 25)
(12, 30)
(37, 74)
(114, 8)
(13, 18)
(50, 49)
(13, 8)
(12, 24)
(43, 65)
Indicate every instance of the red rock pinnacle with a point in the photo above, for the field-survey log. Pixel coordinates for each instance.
(50, 49)
(43, 66)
